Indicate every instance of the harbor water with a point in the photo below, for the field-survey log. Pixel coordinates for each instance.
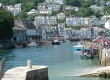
(62, 62)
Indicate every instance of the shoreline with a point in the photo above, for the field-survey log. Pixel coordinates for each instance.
(98, 72)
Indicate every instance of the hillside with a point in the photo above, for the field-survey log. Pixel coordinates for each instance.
(83, 5)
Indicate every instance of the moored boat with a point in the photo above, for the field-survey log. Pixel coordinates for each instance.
(86, 54)
(55, 42)
(32, 44)
(78, 47)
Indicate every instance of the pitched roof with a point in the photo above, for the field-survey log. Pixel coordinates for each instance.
(18, 25)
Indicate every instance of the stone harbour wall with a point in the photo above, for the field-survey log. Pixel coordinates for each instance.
(39, 74)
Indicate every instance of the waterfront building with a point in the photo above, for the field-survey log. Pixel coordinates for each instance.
(69, 32)
(30, 29)
(32, 12)
(15, 9)
(61, 16)
(52, 20)
(76, 33)
(61, 29)
(50, 32)
(19, 32)
(96, 31)
(84, 32)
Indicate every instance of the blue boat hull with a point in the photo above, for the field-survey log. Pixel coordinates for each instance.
(77, 48)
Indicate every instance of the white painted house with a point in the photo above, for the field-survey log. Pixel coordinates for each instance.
(58, 1)
(32, 12)
(55, 1)
(97, 8)
(107, 24)
(87, 21)
(0, 4)
(68, 7)
(53, 7)
(74, 21)
(108, 4)
(61, 16)
(39, 20)
(15, 9)
(105, 18)
(46, 20)
(45, 11)
(42, 6)
(51, 20)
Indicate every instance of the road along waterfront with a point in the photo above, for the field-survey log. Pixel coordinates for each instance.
(63, 64)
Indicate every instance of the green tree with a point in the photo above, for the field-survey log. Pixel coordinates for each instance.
(76, 3)
(85, 12)
(98, 14)
(6, 24)
(85, 3)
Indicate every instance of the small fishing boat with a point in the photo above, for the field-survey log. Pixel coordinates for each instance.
(32, 44)
(86, 53)
(78, 47)
(56, 42)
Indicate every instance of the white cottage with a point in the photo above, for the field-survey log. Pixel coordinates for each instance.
(33, 11)
(61, 15)
(107, 24)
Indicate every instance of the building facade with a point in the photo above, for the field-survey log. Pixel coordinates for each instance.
(19, 32)
(15, 9)
(74, 21)
(49, 20)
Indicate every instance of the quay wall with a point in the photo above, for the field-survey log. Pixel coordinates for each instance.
(104, 58)
(40, 74)
(29, 72)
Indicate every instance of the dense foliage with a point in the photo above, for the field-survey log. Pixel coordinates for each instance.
(83, 5)
(6, 24)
